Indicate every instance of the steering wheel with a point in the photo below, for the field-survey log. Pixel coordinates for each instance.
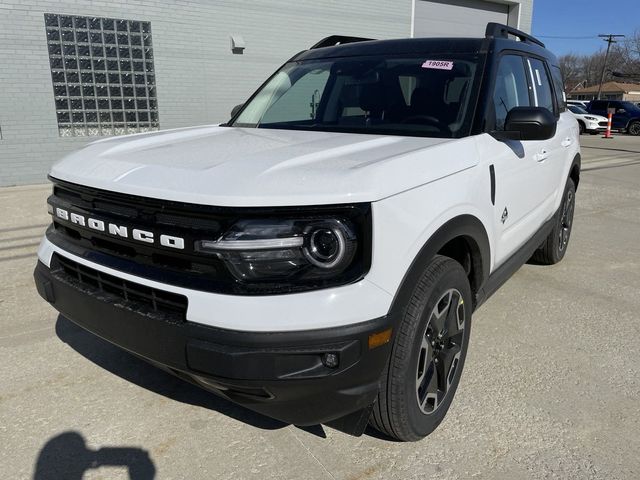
(422, 119)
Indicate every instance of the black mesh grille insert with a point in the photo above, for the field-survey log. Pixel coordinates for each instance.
(171, 306)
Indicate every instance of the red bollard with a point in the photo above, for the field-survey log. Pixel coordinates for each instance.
(607, 133)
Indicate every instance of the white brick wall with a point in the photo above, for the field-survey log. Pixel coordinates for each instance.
(198, 79)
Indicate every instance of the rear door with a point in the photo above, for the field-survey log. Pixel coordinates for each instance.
(554, 153)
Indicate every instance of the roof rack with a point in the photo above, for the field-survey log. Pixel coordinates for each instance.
(498, 30)
(334, 40)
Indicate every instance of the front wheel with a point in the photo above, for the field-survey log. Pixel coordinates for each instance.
(581, 127)
(428, 354)
(555, 246)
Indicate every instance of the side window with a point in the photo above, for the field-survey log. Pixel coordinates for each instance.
(598, 106)
(541, 85)
(511, 88)
(558, 83)
(300, 102)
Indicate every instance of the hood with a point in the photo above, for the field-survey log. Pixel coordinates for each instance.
(230, 166)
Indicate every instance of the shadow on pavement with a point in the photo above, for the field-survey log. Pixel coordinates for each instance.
(67, 456)
(611, 149)
(135, 370)
(630, 163)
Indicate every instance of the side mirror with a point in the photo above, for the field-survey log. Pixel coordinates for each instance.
(236, 109)
(528, 123)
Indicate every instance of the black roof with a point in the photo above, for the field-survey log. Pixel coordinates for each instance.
(497, 38)
(399, 46)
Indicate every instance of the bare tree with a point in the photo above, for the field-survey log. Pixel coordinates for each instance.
(571, 67)
(585, 70)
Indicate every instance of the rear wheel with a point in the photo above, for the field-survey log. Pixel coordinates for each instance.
(634, 128)
(555, 246)
(428, 354)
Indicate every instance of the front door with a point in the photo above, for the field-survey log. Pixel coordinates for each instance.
(522, 190)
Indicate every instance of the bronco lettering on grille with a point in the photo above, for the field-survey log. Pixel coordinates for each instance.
(116, 230)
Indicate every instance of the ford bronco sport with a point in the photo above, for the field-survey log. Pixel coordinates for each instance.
(318, 257)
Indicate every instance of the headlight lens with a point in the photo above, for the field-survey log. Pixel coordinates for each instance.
(304, 251)
(591, 118)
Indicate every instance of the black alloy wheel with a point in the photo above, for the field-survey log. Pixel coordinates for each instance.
(440, 351)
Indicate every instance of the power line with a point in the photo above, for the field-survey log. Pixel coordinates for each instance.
(568, 38)
(609, 38)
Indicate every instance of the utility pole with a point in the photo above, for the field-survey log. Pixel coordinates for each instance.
(609, 38)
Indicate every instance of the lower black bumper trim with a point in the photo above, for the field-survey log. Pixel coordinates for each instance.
(278, 374)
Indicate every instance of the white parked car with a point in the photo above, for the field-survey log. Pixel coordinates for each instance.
(579, 103)
(318, 257)
(588, 122)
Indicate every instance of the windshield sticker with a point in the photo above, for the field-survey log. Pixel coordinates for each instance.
(438, 64)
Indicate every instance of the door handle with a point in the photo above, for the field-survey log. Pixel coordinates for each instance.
(566, 142)
(541, 156)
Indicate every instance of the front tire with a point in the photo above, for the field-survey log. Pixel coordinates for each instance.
(428, 354)
(555, 245)
(581, 127)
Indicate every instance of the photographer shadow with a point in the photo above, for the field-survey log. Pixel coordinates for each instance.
(67, 456)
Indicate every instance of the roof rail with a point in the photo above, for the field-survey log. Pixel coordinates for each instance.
(499, 30)
(334, 40)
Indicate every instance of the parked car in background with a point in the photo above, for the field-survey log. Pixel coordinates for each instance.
(579, 103)
(626, 115)
(588, 122)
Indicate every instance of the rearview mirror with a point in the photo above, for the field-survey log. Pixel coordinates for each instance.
(236, 109)
(528, 123)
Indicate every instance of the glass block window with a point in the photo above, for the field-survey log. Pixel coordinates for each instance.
(103, 75)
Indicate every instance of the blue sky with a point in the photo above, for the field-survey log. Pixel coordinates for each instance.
(582, 18)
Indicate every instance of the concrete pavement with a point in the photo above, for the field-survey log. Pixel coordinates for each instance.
(551, 387)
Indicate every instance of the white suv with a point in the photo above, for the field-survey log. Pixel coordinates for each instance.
(318, 257)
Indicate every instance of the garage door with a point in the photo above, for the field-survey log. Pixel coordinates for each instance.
(456, 18)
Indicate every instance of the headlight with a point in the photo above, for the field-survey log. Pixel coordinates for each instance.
(593, 119)
(293, 254)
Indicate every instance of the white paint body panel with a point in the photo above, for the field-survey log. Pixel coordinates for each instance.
(240, 167)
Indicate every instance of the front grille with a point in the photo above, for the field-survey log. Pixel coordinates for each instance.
(146, 300)
(156, 218)
(184, 267)
(603, 124)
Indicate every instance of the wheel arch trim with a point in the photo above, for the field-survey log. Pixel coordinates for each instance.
(468, 227)
(574, 170)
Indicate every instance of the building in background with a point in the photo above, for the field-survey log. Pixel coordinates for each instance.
(610, 91)
(77, 71)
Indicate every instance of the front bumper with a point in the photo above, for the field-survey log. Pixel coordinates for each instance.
(278, 374)
(593, 126)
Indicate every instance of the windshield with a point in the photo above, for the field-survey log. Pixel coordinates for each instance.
(428, 96)
(578, 110)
